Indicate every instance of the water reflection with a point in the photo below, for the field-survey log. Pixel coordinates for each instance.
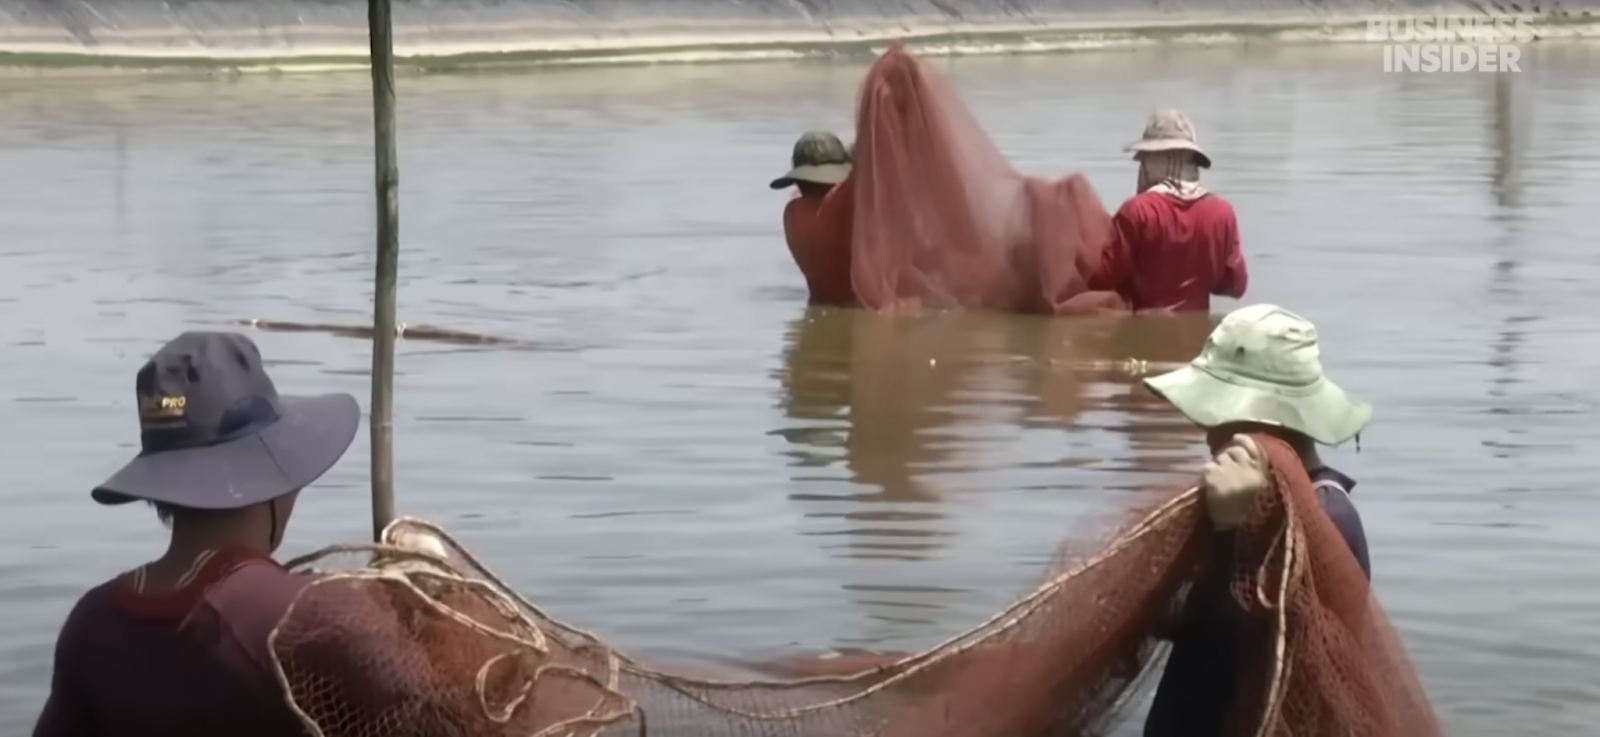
(1160, 441)
(896, 424)
(1504, 281)
(887, 395)
(1505, 181)
(119, 180)
(909, 409)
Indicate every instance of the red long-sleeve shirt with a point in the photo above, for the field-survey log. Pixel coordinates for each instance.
(818, 232)
(1172, 254)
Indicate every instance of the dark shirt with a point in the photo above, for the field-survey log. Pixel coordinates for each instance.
(1196, 689)
(1172, 254)
(190, 663)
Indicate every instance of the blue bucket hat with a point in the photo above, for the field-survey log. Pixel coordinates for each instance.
(215, 433)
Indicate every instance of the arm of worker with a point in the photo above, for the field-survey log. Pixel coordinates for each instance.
(66, 711)
(1234, 277)
(1206, 598)
(1335, 502)
(1115, 268)
(64, 715)
(1230, 483)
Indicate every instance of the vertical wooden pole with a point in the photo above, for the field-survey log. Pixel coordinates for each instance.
(381, 30)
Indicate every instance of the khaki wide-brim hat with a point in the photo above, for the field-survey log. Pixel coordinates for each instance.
(1169, 130)
(1262, 365)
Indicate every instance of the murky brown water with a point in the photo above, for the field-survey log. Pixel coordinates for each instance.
(689, 461)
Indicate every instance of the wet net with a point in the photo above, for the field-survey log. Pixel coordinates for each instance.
(942, 219)
(422, 640)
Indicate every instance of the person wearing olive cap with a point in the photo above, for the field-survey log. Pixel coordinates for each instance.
(1260, 372)
(817, 222)
(178, 647)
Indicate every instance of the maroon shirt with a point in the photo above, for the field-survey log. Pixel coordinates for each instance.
(186, 663)
(1172, 254)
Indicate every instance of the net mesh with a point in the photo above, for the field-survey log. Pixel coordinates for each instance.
(432, 644)
(943, 220)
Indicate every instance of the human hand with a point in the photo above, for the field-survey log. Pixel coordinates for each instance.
(1232, 479)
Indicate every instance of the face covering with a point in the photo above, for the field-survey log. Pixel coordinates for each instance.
(1173, 173)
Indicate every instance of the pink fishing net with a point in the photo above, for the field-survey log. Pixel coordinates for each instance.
(942, 219)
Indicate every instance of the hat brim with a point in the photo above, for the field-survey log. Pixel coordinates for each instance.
(311, 434)
(1323, 411)
(819, 174)
(1170, 144)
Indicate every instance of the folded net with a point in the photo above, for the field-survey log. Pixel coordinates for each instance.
(942, 219)
(412, 644)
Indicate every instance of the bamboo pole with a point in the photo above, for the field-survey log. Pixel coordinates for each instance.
(381, 31)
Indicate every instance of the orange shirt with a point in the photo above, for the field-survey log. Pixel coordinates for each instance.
(817, 229)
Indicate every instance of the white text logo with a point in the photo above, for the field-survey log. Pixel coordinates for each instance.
(1443, 43)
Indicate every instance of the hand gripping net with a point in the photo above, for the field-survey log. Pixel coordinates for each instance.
(942, 219)
(414, 644)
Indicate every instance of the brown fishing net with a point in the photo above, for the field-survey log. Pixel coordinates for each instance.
(412, 644)
(943, 220)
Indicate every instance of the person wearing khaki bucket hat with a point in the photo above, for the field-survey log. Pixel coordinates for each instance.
(817, 221)
(1174, 244)
(1260, 371)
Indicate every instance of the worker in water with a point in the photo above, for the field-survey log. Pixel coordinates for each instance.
(178, 647)
(816, 223)
(1260, 372)
(1173, 244)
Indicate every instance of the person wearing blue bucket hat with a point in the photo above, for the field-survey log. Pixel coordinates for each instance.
(179, 647)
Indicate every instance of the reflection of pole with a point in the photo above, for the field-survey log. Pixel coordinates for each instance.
(1506, 190)
(1503, 129)
(381, 31)
(120, 183)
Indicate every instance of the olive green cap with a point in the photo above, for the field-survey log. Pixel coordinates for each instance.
(819, 157)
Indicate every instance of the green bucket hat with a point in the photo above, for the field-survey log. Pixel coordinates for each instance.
(1261, 364)
(819, 157)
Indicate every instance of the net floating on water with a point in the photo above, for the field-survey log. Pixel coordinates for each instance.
(405, 643)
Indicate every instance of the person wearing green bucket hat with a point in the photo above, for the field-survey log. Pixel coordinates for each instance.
(1260, 371)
